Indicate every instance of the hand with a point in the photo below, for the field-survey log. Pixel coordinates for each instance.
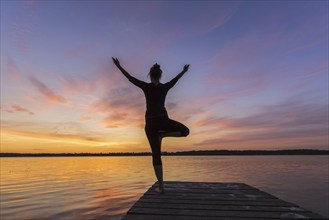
(186, 67)
(116, 61)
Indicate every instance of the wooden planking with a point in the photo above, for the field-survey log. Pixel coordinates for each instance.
(218, 202)
(210, 196)
(215, 213)
(203, 200)
(206, 185)
(213, 191)
(143, 204)
(173, 217)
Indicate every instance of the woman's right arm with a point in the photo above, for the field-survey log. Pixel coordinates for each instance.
(132, 79)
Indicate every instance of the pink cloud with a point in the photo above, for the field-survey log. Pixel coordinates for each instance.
(85, 118)
(17, 108)
(102, 80)
(79, 50)
(307, 75)
(70, 85)
(108, 78)
(276, 140)
(46, 92)
(12, 68)
(112, 99)
(31, 3)
(20, 36)
(293, 122)
(120, 109)
(116, 101)
(115, 120)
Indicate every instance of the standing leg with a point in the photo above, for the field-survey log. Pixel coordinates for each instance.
(155, 144)
(159, 174)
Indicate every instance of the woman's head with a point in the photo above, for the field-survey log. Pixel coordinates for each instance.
(155, 73)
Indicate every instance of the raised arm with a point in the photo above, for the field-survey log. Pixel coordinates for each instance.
(117, 63)
(172, 82)
(132, 79)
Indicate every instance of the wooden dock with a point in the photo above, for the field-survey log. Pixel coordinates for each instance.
(210, 201)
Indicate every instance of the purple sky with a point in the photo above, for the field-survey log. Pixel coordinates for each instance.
(258, 75)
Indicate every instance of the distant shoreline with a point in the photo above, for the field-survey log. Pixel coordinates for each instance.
(179, 153)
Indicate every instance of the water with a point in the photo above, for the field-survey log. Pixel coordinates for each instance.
(96, 187)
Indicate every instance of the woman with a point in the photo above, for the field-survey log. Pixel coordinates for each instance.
(157, 123)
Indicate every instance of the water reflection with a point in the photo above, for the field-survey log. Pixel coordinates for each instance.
(94, 187)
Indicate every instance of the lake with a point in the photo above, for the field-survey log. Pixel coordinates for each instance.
(96, 187)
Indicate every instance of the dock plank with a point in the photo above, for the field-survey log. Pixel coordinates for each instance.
(172, 217)
(215, 213)
(214, 191)
(194, 206)
(219, 202)
(211, 200)
(210, 196)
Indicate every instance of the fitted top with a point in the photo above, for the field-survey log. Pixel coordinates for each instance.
(155, 95)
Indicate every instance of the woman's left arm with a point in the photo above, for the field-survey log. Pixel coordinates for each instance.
(172, 82)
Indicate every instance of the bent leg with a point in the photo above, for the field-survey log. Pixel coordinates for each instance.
(172, 128)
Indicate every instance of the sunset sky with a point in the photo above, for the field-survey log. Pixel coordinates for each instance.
(258, 75)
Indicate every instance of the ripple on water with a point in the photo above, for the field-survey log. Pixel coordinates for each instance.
(106, 187)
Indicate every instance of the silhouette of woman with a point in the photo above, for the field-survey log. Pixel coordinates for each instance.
(157, 123)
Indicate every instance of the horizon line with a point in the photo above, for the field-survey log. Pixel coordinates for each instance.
(192, 152)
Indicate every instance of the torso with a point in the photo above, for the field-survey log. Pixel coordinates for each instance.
(155, 96)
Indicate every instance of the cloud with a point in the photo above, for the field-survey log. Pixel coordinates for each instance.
(76, 85)
(66, 131)
(79, 50)
(85, 118)
(307, 75)
(123, 107)
(295, 121)
(31, 3)
(16, 108)
(77, 138)
(196, 22)
(12, 68)
(106, 96)
(46, 92)
(115, 120)
(20, 36)
(18, 136)
(270, 51)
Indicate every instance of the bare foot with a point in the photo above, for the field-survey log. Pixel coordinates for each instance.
(160, 190)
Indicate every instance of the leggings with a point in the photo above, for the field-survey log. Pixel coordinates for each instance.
(162, 124)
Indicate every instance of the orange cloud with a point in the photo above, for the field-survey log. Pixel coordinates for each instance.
(46, 92)
(85, 118)
(61, 137)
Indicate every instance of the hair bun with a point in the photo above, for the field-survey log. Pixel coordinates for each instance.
(157, 66)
